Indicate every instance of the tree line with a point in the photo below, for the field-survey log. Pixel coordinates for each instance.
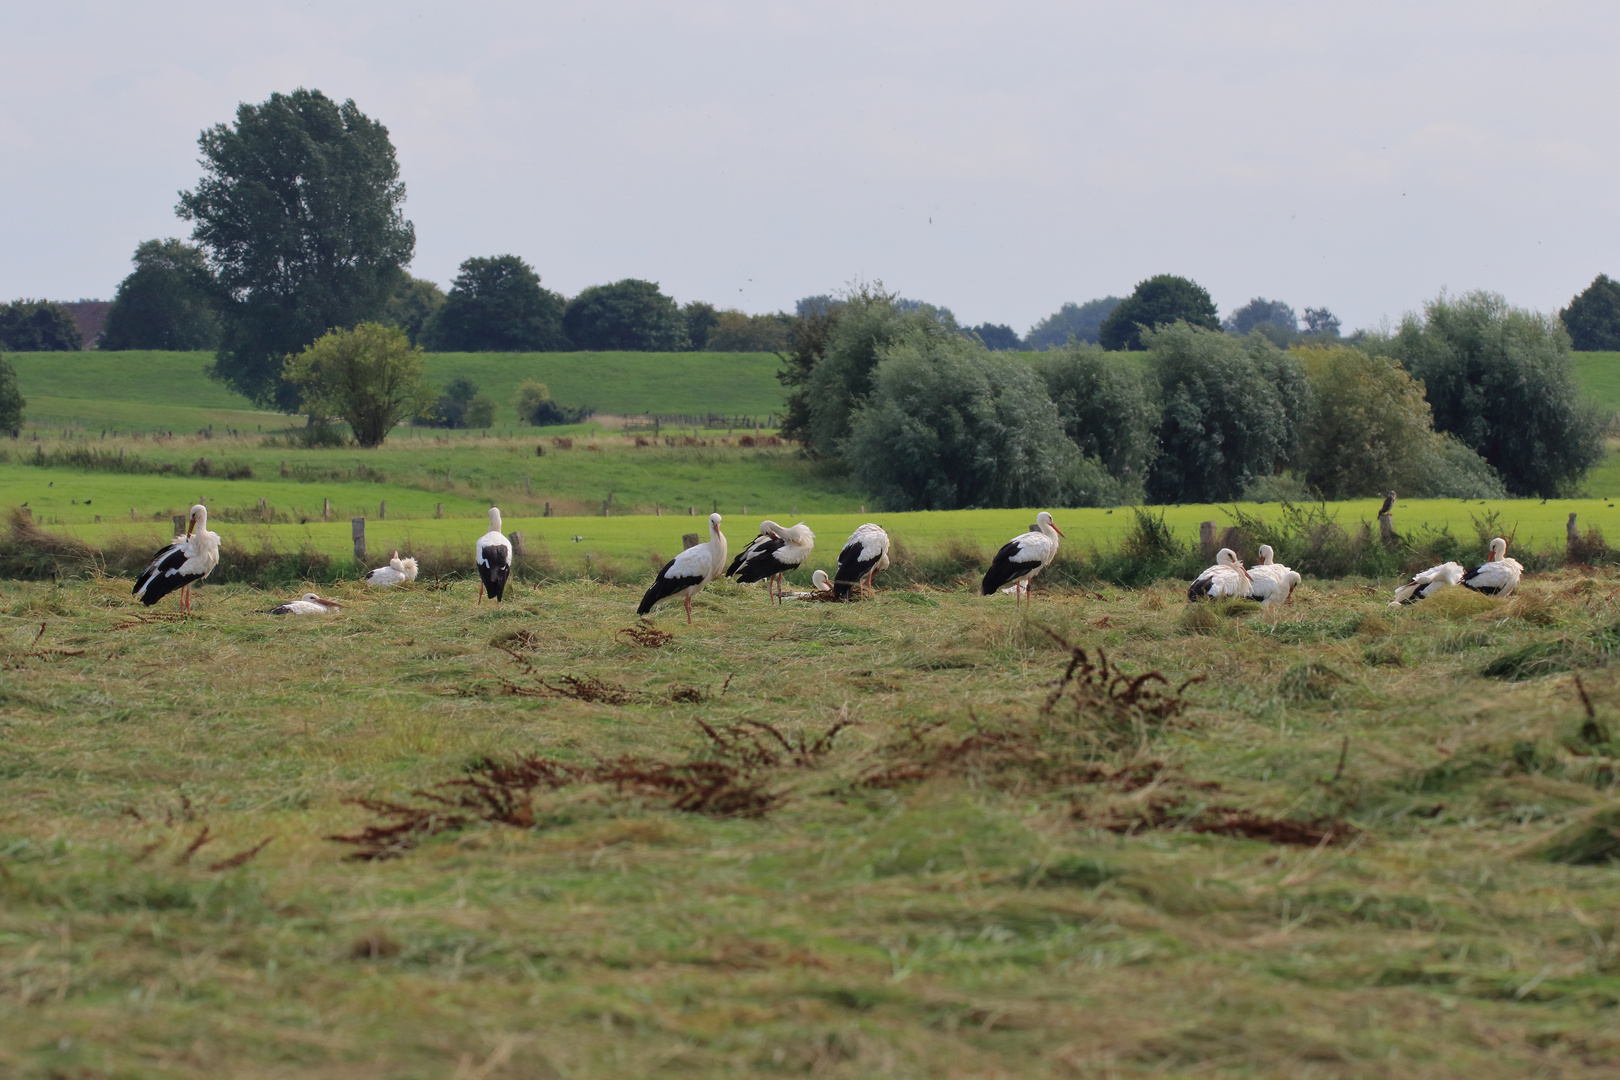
(1471, 398)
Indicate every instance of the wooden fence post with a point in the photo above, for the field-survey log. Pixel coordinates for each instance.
(517, 544)
(1572, 539)
(179, 525)
(526, 490)
(1386, 523)
(326, 509)
(548, 511)
(382, 510)
(1206, 540)
(438, 510)
(358, 525)
(689, 540)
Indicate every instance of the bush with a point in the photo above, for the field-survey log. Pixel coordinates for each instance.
(535, 406)
(1224, 422)
(413, 307)
(460, 406)
(1499, 379)
(497, 305)
(950, 425)
(1158, 301)
(628, 315)
(1071, 322)
(370, 376)
(170, 301)
(38, 326)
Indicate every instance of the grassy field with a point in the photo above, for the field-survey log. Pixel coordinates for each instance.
(1347, 852)
(169, 391)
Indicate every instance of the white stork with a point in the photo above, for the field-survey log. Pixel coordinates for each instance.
(1273, 583)
(773, 552)
(865, 553)
(493, 553)
(397, 572)
(308, 604)
(1428, 583)
(188, 559)
(687, 573)
(1226, 578)
(1498, 575)
(820, 586)
(1022, 557)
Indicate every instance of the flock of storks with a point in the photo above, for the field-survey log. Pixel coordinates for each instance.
(777, 550)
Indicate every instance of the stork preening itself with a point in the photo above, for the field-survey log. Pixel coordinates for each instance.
(1498, 575)
(1226, 578)
(493, 552)
(190, 558)
(687, 573)
(397, 572)
(1271, 581)
(865, 553)
(308, 604)
(1428, 583)
(773, 553)
(1022, 557)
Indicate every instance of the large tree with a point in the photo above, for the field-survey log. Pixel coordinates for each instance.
(1106, 409)
(299, 209)
(38, 326)
(498, 305)
(1081, 322)
(169, 301)
(628, 315)
(1593, 317)
(1272, 318)
(370, 376)
(1158, 301)
(413, 307)
(1499, 378)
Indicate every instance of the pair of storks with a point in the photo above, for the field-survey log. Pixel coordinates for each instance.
(777, 550)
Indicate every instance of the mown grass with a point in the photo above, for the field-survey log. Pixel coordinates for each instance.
(982, 911)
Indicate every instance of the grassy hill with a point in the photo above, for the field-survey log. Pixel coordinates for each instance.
(169, 391)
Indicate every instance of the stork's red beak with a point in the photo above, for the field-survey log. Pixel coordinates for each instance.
(191, 523)
(1059, 531)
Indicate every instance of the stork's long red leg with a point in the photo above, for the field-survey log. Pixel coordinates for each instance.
(688, 609)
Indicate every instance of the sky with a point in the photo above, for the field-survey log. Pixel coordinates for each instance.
(998, 159)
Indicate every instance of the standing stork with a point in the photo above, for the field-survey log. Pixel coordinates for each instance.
(188, 559)
(865, 553)
(1226, 578)
(687, 573)
(494, 555)
(397, 572)
(1022, 557)
(1428, 583)
(1498, 575)
(773, 552)
(1273, 583)
(309, 604)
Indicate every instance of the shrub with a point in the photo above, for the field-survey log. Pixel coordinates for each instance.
(38, 326)
(1105, 410)
(370, 376)
(11, 399)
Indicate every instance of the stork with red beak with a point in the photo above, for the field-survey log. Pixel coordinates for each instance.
(1022, 557)
(189, 559)
(1226, 578)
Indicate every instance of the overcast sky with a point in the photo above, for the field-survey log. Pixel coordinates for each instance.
(998, 159)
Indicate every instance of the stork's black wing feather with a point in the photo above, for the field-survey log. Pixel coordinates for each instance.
(494, 569)
(664, 586)
(759, 548)
(162, 575)
(1006, 567)
(852, 568)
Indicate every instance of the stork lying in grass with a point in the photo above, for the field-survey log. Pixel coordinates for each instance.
(397, 572)
(1428, 583)
(188, 559)
(1498, 575)
(1226, 578)
(1271, 582)
(308, 604)
(687, 573)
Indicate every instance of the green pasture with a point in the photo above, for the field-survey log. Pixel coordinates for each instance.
(1598, 374)
(1533, 525)
(169, 391)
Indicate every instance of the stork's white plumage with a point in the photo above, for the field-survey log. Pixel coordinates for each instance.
(864, 554)
(773, 553)
(1022, 557)
(190, 558)
(1226, 578)
(1498, 575)
(308, 604)
(397, 572)
(820, 588)
(493, 552)
(1428, 583)
(687, 573)
(1271, 581)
